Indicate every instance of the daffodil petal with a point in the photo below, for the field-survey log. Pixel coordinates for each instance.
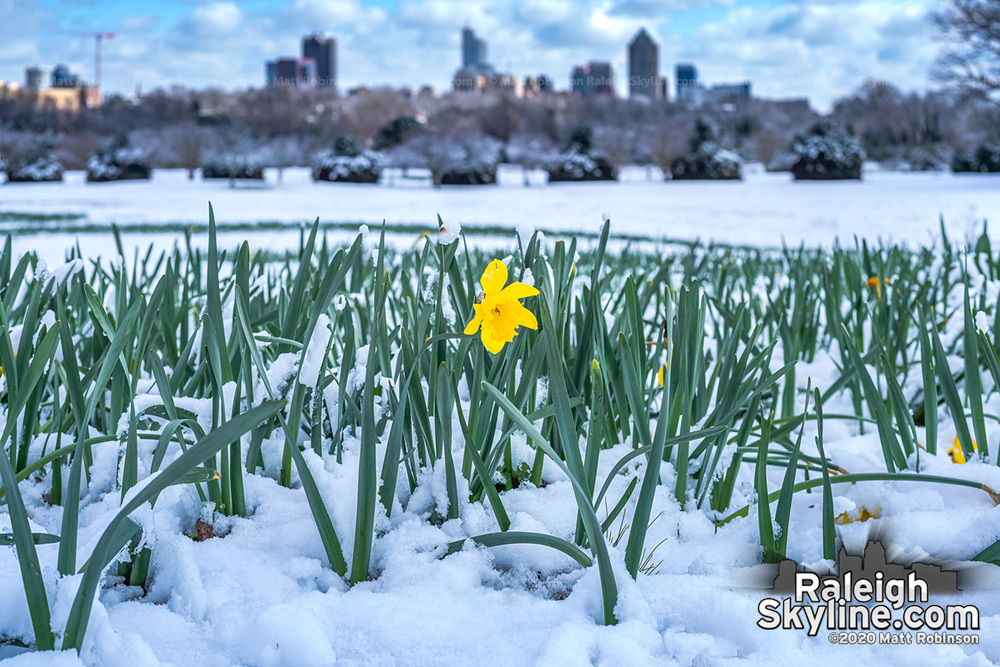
(518, 291)
(473, 326)
(494, 277)
(490, 342)
(526, 318)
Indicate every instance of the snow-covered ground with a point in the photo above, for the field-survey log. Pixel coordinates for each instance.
(261, 593)
(764, 209)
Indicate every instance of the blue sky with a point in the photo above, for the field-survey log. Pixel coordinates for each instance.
(788, 48)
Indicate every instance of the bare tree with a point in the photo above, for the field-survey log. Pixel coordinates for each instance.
(286, 151)
(615, 141)
(972, 59)
(669, 143)
(188, 143)
(766, 144)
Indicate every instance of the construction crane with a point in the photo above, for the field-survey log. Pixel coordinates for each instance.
(99, 36)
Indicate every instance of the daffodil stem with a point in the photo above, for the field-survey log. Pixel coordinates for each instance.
(388, 487)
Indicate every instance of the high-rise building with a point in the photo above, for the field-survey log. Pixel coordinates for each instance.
(476, 75)
(578, 80)
(595, 78)
(298, 72)
(602, 78)
(688, 89)
(643, 66)
(62, 77)
(38, 77)
(323, 50)
(473, 49)
(729, 93)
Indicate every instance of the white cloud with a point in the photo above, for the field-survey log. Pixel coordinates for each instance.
(218, 16)
(816, 48)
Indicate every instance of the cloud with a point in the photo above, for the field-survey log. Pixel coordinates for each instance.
(644, 9)
(138, 22)
(790, 48)
(216, 17)
(822, 50)
(330, 15)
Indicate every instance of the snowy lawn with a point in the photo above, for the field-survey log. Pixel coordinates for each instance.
(338, 528)
(764, 209)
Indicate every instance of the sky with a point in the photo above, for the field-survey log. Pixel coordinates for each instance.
(820, 49)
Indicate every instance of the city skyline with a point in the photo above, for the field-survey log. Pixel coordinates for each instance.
(820, 50)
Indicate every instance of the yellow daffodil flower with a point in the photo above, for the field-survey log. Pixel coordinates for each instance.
(877, 284)
(499, 312)
(956, 453)
(864, 515)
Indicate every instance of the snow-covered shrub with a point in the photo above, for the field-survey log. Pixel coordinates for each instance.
(118, 161)
(474, 162)
(706, 159)
(826, 153)
(214, 168)
(347, 163)
(579, 161)
(26, 157)
(33, 169)
(985, 159)
(236, 156)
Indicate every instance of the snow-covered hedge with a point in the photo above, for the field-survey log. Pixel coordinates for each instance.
(230, 164)
(826, 153)
(579, 161)
(118, 161)
(347, 163)
(32, 168)
(985, 159)
(706, 160)
(471, 169)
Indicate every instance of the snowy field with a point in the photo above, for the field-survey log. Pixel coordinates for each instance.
(262, 592)
(765, 209)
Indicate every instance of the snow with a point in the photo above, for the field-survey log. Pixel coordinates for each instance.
(262, 593)
(763, 209)
(448, 232)
(981, 322)
(315, 351)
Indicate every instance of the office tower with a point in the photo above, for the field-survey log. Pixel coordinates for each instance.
(323, 50)
(298, 72)
(729, 93)
(473, 49)
(687, 82)
(643, 66)
(38, 77)
(601, 80)
(578, 81)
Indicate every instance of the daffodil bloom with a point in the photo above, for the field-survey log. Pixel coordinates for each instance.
(499, 312)
(874, 282)
(864, 515)
(956, 453)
